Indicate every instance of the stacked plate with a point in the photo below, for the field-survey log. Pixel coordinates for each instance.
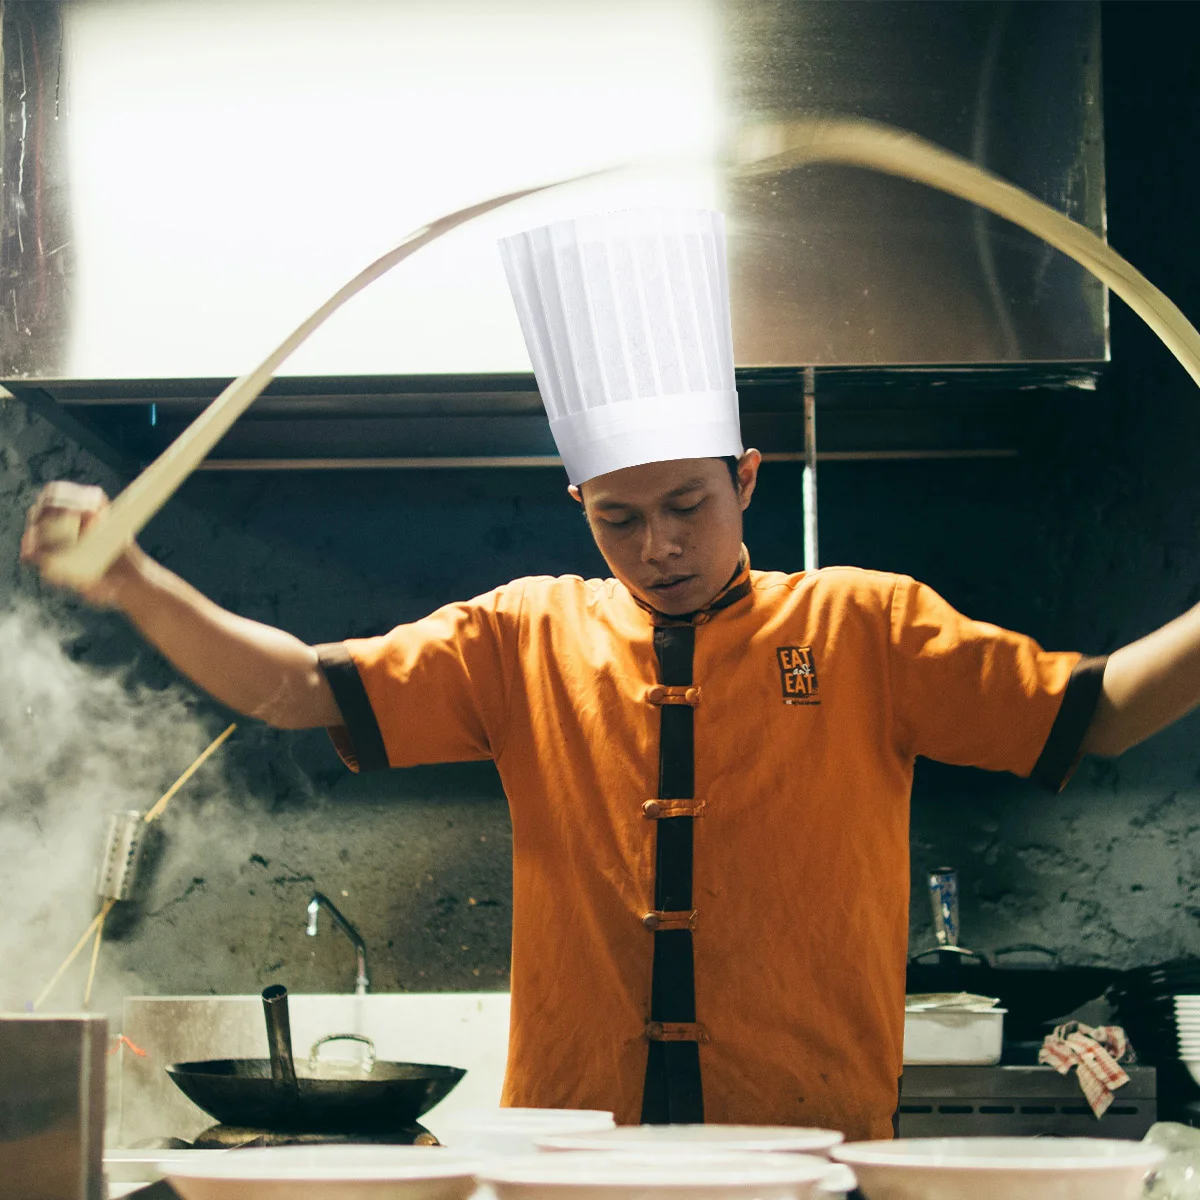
(1145, 1007)
(1187, 1032)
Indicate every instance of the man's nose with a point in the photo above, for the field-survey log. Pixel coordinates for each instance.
(660, 542)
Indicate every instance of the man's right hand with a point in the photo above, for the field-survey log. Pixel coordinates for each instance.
(252, 668)
(57, 518)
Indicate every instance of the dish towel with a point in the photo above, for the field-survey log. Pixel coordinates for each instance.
(1096, 1053)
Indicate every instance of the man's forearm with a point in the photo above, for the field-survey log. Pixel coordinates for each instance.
(1147, 685)
(253, 668)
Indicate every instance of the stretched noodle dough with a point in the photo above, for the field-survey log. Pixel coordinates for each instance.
(758, 150)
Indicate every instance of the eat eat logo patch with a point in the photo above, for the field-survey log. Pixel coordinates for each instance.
(797, 674)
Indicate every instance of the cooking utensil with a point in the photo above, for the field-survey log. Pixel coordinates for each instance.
(279, 1043)
(263, 1093)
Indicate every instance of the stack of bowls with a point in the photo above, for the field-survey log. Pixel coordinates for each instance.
(1187, 1032)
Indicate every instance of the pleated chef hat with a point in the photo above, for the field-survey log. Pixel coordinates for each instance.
(626, 318)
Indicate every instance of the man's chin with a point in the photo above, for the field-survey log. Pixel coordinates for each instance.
(690, 598)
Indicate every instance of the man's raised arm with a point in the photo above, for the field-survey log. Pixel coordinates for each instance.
(255, 669)
(1147, 685)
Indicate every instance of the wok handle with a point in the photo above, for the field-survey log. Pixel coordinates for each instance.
(1027, 948)
(279, 1039)
(368, 1060)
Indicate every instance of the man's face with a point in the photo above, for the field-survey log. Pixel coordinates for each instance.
(671, 531)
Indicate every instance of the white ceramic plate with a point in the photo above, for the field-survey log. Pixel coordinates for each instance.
(605, 1175)
(693, 1139)
(1193, 1066)
(492, 1131)
(325, 1173)
(1000, 1168)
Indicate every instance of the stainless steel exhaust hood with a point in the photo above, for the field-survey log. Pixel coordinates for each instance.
(184, 180)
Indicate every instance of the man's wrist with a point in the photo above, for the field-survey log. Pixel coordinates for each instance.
(129, 580)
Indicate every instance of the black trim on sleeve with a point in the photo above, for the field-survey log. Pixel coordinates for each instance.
(357, 714)
(1062, 748)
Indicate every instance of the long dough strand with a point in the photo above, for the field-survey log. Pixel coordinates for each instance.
(757, 150)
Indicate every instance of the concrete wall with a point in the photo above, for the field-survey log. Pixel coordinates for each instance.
(1086, 541)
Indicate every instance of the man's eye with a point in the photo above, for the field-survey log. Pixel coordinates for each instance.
(691, 508)
(617, 524)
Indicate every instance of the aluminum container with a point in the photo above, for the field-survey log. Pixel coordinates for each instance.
(954, 1036)
(52, 1102)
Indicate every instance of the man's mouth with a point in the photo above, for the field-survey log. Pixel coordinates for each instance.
(674, 583)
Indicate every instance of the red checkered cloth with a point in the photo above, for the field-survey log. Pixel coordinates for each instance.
(1096, 1053)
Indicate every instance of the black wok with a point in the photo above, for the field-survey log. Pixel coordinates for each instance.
(240, 1091)
(272, 1093)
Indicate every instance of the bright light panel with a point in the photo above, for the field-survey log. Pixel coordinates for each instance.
(232, 164)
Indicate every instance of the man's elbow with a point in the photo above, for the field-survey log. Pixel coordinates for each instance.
(302, 701)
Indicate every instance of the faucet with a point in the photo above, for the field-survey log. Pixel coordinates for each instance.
(320, 900)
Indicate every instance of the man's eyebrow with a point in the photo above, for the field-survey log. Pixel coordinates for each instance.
(673, 494)
(683, 489)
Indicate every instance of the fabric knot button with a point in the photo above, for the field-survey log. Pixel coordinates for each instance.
(658, 694)
(652, 920)
(703, 618)
(652, 808)
(654, 1030)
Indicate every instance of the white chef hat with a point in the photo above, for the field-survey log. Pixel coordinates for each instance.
(626, 318)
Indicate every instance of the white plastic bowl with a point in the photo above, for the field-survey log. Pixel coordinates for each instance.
(508, 1131)
(1000, 1168)
(691, 1140)
(1193, 1066)
(602, 1175)
(838, 1183)
(325, 1173)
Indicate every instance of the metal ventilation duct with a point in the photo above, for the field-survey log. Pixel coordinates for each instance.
(184, 180)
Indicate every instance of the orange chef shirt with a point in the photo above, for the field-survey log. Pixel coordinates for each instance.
(817, 692)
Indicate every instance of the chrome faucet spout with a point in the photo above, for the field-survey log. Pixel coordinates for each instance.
(362, 981)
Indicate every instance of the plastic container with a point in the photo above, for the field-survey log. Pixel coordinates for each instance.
(960, 1037)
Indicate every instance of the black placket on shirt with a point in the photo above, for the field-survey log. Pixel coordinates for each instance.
(673, 1091)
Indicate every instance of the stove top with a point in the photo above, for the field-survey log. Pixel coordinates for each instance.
(224, 1137)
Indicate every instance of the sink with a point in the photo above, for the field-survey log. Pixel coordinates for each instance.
(460, 1029)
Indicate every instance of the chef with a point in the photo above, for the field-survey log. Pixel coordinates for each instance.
(708, 766)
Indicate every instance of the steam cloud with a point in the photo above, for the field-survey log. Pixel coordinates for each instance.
(76, 743)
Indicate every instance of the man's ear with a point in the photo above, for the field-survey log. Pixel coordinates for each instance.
(748, 465)
(575, 494)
